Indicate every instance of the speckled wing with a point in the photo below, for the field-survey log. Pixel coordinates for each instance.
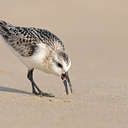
(25, 40)
(48, 38)
(19, 38)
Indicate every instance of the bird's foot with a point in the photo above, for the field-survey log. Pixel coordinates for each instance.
(43, 94)
(46, 94)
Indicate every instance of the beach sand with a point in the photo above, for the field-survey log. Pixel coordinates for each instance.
(95, 34)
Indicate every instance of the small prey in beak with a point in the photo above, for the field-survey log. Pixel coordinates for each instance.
(66, 81)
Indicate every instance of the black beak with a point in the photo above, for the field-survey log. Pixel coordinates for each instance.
(66, 81)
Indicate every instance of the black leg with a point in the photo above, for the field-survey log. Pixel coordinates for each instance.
(30, 77)
(34, 86)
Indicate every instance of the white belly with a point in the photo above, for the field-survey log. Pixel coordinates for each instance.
(34, 61)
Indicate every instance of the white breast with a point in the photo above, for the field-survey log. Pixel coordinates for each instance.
(34, 61)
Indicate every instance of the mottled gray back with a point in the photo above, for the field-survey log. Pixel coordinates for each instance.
(25, 40)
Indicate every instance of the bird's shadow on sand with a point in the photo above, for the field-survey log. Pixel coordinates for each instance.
(12, 90)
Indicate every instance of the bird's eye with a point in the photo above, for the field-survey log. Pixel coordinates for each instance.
(59, 65)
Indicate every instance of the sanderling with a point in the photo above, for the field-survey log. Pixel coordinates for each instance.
(38, 49)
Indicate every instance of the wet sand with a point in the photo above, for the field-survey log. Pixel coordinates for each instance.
(95, 34)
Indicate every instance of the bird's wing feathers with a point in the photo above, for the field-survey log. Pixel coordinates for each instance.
(48, 38)
(25, 40)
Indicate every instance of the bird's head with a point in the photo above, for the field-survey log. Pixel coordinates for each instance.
(59, 64)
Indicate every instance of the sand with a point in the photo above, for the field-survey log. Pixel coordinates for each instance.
(95, 34)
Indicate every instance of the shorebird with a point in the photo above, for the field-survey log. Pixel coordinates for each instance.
(38, 49)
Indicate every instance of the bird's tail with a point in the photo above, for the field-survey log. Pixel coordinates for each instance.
(4, 28)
